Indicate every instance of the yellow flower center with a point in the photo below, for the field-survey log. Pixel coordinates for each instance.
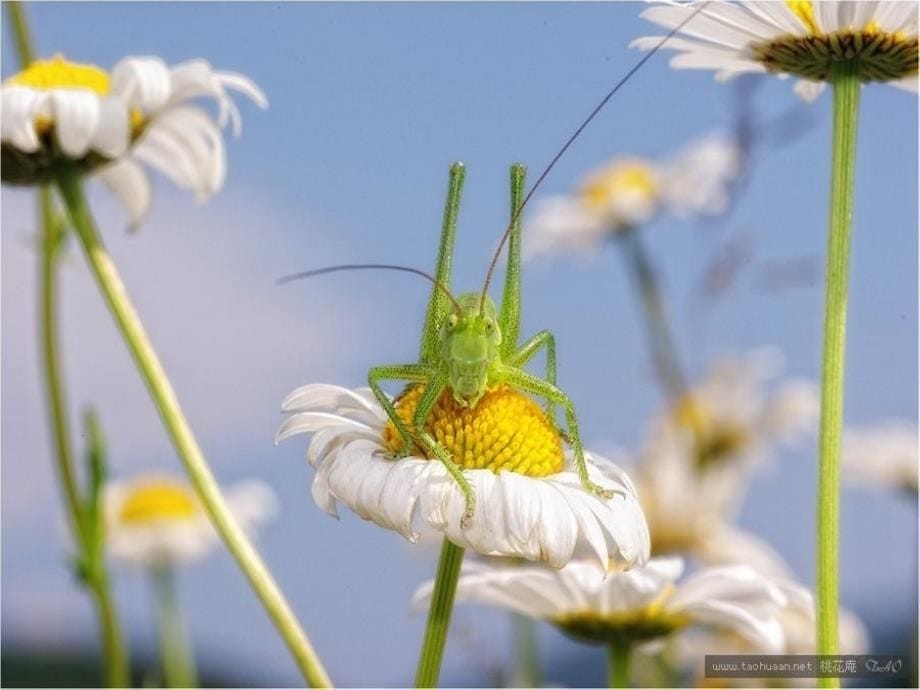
(158, 500)
(878, 55)
(715, 440)
(633, 179)
(805, 12)
(505, 430)
(58, 73)
(639, 625)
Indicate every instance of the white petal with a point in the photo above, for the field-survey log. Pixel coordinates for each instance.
(112, 134)
(76, 117)
(143, 82)
(808, 90)
(128, 181)
(19, 109)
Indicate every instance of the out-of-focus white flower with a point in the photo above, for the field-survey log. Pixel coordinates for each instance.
(641, 605)
(143, 113)
(529, 501)
(799, 38)
(729, 417)
(883, 456)
(797, 620)
(630, 191)
(153, 519)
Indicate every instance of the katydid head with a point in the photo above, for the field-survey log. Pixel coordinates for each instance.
(470, 338)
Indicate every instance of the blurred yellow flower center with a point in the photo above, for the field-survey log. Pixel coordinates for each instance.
(804, 11)
(715, 439)
(639, 625)
(631, 178)
(158, 500)
(876, 54)
(505, 430)
(58, 73)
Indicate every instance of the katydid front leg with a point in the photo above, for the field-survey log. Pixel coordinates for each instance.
(544, 389)
(413, 373)
(529, 350)
(433, 391)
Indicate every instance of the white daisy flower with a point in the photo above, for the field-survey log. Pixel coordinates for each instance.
(797, 37)
(640, 605)
(730, 418)
(529, 500)
(629, 192)
(688, 514)
(883, 456)
(142, 113)
(157, 520)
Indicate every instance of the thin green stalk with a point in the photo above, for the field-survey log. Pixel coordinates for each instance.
(117, 673)
(846, 87)
(175, 652)
(527, 658)
(618, 664)
(661, 342)
(161, 391)
(442, 605)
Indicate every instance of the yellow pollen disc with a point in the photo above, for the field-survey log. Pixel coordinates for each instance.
(805, 12)
(877, 55)
(715, 440)
(58, 73)
(506, 430)
(158, 500)
(639, 625)
(632, 177)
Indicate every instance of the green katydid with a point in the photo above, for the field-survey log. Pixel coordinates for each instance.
(468, 345)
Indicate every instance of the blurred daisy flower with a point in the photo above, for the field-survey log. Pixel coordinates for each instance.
(157, 520)
(638, 606)
(798, 38)
(797, 621)
(114, 123)
(730, 418)
(884, 456)
(529, 500)
(629, 192)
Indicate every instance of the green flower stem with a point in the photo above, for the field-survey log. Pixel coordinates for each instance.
(527, 658)
(442, 605)
(664, 351)
(618, 664)
(117, 673)
(175, 652)
(846, 87)
(135, 337)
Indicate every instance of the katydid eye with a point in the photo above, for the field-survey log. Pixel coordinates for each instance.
(451, 322)
(490, 325)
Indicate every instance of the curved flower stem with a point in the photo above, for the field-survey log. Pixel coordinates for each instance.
(843, 168)
(527, 657)
(442, 605)
(175, 654)
(660, 341)
(138, 343)
(117, 673)
(618, 664)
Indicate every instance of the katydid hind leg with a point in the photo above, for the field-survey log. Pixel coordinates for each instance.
(510, 314)
(439, 303)
(535, 385)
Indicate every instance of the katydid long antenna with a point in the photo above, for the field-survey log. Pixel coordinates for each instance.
(371, 267)
(571, 140)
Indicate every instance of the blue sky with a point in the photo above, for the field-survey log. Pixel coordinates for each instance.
(369, 105)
